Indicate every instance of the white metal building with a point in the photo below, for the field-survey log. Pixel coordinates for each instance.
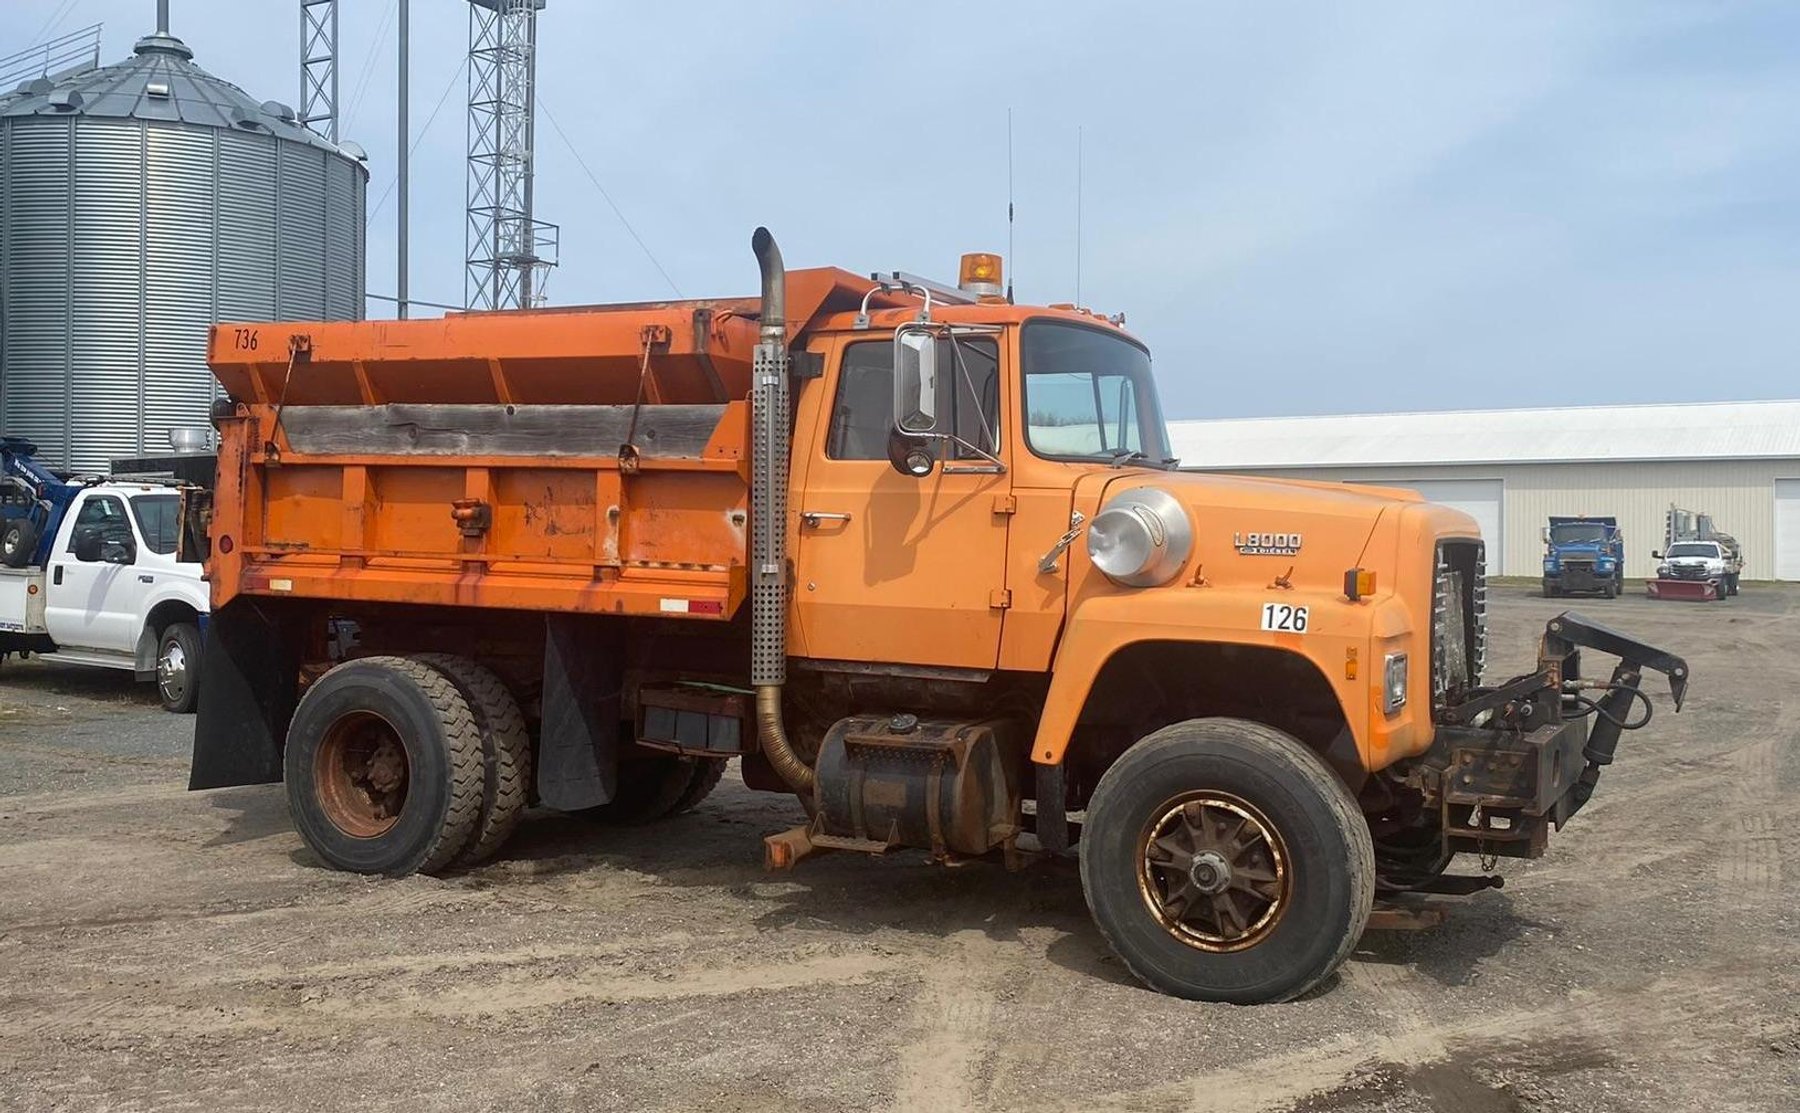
(1512, 469)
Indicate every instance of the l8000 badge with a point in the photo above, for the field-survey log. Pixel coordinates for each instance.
(1266, 544)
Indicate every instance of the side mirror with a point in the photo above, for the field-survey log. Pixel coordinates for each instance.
(913, 456)
(87, 544)
(1546, 532)
(1654, 555)
(915, 381)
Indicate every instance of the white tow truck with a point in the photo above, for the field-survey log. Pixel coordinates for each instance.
(88, 572)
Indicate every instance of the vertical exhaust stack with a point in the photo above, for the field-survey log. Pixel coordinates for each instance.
(769, 439)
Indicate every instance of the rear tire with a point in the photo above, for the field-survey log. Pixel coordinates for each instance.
(505, 753)
(658, 787)
(178, 667)
(706, 778)
(1257, 921)
(383, 767)
(17, 542)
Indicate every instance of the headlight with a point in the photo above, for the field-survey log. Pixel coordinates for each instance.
(1604, 563)
(1141, 538)
(1394, 682)
(1662, 570)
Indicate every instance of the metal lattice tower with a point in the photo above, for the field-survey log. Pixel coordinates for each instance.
(509, 250)
(319, 67)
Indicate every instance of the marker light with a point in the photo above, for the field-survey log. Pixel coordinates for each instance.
(980, 274)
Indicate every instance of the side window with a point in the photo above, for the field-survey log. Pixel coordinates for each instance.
(159, 521)
(863, 412)
(105, 513)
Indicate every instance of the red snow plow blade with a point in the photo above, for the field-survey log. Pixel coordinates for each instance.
(1683, 589)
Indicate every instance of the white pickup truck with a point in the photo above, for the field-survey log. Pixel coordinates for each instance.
(109, 591)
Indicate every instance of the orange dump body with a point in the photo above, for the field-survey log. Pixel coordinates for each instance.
(481, 459)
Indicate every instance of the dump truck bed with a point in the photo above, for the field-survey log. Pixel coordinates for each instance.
(476, 460)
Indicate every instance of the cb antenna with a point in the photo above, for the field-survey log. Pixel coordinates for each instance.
(1078, 215)
(1011, 262)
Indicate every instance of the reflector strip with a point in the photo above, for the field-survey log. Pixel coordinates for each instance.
(692, 606)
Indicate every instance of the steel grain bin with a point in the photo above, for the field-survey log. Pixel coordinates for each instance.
(139, 204)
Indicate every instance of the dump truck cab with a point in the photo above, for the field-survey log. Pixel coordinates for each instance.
(978, 554)
(913, 553)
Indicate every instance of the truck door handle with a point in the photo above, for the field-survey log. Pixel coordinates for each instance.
(56, 575)
(814, 517)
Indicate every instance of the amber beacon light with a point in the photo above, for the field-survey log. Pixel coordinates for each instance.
(980, 274)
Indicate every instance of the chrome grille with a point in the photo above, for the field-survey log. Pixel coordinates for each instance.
(1458, 619)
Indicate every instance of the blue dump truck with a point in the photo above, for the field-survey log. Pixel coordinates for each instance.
(1583, 556)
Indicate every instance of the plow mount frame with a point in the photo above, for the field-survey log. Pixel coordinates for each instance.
(1512, 762)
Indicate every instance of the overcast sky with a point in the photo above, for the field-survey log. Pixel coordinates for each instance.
(1302, 208)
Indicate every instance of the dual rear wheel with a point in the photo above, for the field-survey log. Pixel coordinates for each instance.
(401, 765)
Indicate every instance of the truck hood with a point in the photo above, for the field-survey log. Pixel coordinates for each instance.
(1251, 529)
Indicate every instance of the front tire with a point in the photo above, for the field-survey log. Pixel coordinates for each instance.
(1224, 861)
(178, 667)
(384, 767)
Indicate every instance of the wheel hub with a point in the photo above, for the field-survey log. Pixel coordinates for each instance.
(1210, 872)
(361, 774)
(171, 671)
(1213, 871)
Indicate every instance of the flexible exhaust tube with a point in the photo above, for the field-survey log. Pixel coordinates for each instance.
(769, 437)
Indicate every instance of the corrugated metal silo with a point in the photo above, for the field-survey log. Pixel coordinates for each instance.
(139, 204)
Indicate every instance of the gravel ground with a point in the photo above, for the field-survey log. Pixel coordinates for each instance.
(168, 950)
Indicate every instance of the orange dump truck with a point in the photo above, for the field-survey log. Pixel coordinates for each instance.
(913, 553)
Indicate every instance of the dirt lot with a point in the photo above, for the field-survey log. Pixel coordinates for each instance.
(167, 950)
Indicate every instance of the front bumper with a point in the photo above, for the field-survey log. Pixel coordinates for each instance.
(1509, 764)
(1581, 577)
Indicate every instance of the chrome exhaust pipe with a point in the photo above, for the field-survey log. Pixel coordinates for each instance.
(769, 453)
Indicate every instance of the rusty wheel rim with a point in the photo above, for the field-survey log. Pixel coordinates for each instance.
(1213, 871)
(361, 775)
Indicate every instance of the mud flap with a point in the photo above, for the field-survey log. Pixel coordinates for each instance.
(249, 683)
(578, 749)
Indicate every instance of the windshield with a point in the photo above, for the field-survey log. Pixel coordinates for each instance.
(1089, 396)
(1693, 549)
(1577, 532)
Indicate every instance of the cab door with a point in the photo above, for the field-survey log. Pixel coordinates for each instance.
(93, 604)
(894, 568)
